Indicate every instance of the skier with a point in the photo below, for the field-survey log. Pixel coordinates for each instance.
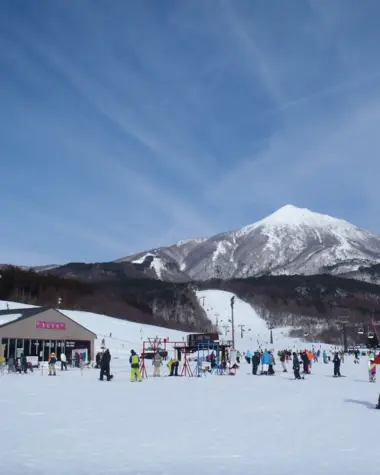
(372, 371)
(238, 356)
(135, 367)
(248, 356)
(325, 357)
(296, 366)
(52, 362)
(255, 362)
(105, 366)
(157, 363)
(336, 362)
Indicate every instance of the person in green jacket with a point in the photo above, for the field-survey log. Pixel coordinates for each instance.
(135, 367)
(173, 367)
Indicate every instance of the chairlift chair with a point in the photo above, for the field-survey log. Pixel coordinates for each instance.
(306, 334)
(371, 335)
(360, 331)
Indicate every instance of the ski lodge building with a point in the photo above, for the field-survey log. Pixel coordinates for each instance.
(38, 331)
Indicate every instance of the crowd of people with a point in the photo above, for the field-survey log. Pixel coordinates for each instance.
(264, 361)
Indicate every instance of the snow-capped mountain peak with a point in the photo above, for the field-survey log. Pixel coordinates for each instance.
(291, 216)
(290, 241)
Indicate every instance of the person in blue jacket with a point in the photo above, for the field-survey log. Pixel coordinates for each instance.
(266, 360)
(248, 356)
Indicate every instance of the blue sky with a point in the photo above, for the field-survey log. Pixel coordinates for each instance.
(128, 125)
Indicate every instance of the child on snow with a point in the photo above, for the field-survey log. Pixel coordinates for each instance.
(52, 362)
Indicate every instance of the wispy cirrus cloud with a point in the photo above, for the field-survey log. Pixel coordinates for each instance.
(126, 127)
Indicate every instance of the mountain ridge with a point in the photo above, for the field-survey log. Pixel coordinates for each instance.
(289, 241)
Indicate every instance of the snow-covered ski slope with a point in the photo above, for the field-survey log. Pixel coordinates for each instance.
(256, 333)
(243, 424)
(121, 335)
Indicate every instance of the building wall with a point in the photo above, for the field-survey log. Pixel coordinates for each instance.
(26, 329)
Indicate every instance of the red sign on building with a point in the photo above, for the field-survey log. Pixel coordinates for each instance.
(50, 325)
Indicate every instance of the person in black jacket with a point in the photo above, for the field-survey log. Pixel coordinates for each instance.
(105, 365)
(255, 362)
(283, 361)
(296, 366)
(336, 362)
(305, 362)
(23, 363)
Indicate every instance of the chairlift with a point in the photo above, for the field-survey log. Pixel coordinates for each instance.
(360, 331)
(371, 335)
(306, 334)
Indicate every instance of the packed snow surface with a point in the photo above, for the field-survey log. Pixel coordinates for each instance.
(243, 424)
(73, 423)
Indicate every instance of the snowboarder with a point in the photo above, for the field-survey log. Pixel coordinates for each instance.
(296, 366)
(135, 367)
(105, 366)
(336, 362)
